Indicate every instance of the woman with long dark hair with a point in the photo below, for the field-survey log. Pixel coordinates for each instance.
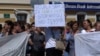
(75, 30)
(87, 26)
(70, 37)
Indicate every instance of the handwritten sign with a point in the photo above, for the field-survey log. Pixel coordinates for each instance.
(49, 15)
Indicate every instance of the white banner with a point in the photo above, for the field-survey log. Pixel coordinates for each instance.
(87, 44)
(14, 45)
(49, 15)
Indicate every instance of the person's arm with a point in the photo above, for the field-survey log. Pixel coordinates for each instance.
(44, 43)
(30, 41)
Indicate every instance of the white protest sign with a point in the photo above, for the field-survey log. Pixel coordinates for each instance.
(87, 44)
(49, 15)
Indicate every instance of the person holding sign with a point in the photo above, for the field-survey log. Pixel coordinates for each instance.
(50, 41)
(50, 16)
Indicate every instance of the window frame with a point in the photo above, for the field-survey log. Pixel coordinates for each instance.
(98, 13)
(81, 13)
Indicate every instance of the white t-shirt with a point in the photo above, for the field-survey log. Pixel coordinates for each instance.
(50, 43)
(84, 31)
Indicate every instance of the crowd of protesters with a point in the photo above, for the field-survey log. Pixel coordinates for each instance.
(41, 41)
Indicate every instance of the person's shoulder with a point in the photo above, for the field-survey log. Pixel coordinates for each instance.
(93, 29)
(83, 31)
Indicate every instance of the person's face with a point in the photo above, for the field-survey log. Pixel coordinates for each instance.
(38, 29)
(33, 28)
(75, 26)
(67, 27)
(97, 27)
(85, 24)
(6, 26)
(17, 27)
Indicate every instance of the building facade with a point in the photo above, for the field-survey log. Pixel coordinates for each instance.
(79, 9)
(21, 10)
(15, 10)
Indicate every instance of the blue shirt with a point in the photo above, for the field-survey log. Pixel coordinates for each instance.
(70, 39)
(51, 33)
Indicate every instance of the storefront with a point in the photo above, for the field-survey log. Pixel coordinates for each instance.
(81, 10)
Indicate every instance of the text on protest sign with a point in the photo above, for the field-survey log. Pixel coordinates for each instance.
(49, 15)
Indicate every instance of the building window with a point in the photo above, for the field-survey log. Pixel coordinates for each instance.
(6, 15)
(80, 19)
(22, 17)
(57, 3)
(98, 17)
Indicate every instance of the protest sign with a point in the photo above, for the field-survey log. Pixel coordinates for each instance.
(87, 44)
(49, 15)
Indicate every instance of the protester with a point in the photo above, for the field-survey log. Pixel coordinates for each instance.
(30, 43)
(97, 26)
(29, 51)
(70, 37)
(33, 28)
(52, 34)
(67, 35)
(27, 27)
(7, 29)
(0, 30)
(18, 28)
(44, 40)
(38, 39)
(87, 26)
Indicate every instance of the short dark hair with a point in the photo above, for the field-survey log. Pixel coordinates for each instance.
(9, 22)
